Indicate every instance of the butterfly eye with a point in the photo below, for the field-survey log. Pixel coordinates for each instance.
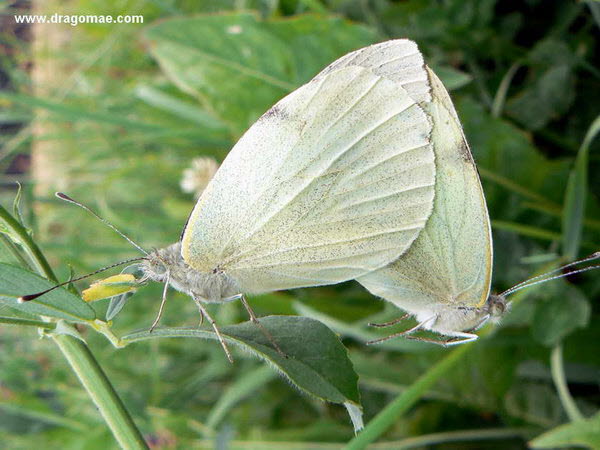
(497, 305)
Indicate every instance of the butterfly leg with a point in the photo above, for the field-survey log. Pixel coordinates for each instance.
(481, 323)
(458, 338)
(390, 323)
(404, 333)
(263, 330)
(216, 329)
(232, 298)
(162, 303)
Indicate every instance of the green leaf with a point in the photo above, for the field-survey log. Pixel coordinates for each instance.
(361, 332)
(116, 305)
(451, 77)
(74, 113)
(17, 205)
(504, 151)
(551, 87)
(583, 433)
(317, 363)
(565, 310)
(59, 303)
(179, 107)
(237, 65)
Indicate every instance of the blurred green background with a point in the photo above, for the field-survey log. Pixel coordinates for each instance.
(113, 114)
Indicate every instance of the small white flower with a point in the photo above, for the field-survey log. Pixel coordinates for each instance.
(197, 176)
(234, 29)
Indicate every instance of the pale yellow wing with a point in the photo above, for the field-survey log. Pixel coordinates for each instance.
(450, 263)
(334, 181)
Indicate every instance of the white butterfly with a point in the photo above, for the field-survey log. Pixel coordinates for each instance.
(334, 181)
(444, 277)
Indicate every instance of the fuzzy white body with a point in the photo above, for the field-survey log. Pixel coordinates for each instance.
(211, 287)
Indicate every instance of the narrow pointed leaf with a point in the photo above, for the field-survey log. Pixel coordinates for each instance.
(576, 196)
(60, 303)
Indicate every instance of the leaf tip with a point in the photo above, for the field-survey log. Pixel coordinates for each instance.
(356, 415)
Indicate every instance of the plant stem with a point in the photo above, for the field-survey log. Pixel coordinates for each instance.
(27, 243)
(406, 400)
(456, 436)
(558, 376)
(576, 195)
(500, 97)
(79, 356)
(515, 187)
(101, 391)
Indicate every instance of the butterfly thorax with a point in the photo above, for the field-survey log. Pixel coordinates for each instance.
(167, 264)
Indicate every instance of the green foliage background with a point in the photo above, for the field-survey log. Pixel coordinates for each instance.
(140, 101)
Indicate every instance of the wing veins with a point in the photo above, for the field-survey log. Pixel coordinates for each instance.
(414, 188)
(312, 160)
(291, 263)
(325, 244)
(322, 172)
(362, 186)
(389, 158)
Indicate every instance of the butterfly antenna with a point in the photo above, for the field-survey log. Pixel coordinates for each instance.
(591, 257)
(26, 298)
(66, 198)
(545, 276)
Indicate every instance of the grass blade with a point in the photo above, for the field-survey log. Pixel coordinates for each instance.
(576, 196)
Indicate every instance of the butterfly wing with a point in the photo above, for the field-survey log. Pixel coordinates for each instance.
(334, 181)
(398, 60)
(450, 263)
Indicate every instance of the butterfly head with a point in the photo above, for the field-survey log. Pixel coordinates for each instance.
(161, 262)
(496, 306)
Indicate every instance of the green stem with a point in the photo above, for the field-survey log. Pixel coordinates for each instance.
(390, 414)
(34, 252)
(456, 436)
(558, 376)
(79, 356)
(514, 187)
(27, 322)
(526, 230)
(576, 195)
(101, 391)
(500, 97)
